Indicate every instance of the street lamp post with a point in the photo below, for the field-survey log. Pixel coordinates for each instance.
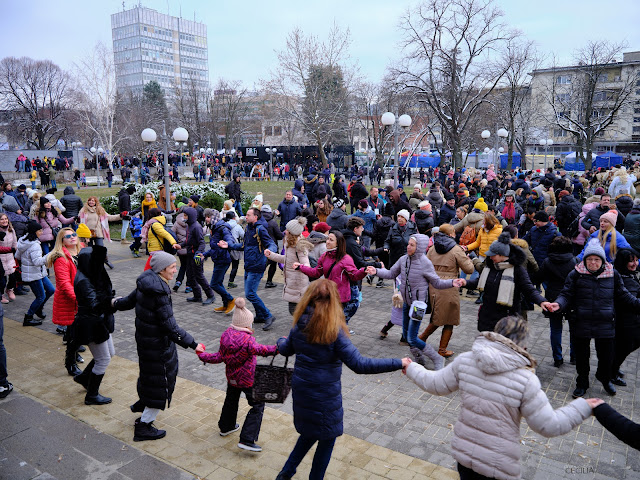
(403, 121)
(546, 143)
(500, 133)
(271, 152)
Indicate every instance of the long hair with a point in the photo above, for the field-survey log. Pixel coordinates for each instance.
(99, 210)
(42, 213)
(602, 238)
(341, 244)
(490, 221)
(57, 251)
(10, 227)
(328, 317)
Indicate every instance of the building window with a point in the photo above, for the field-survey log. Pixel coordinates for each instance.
(563, 97)
(636, 119)
(600, 96)
(277, 131)
(603, 77)
(268, 131)
(563, 79)
(636, 130)
(558, 132)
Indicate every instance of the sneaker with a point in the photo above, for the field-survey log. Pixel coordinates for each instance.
(268, 323)
(5, 390)
(177, 286)
(229, 432)
(270, 285)
(383, 334)
(4, 299)
(194, 299)
(369, 279)
(136, 254)
(381, 284)
(478, 301)
(352, 332)
(232, 285)
(472, 293)
(188, 290)
(252, 447)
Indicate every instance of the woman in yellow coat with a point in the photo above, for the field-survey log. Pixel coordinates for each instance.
(488, 234)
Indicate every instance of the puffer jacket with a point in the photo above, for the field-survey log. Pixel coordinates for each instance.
(124, 200)
(29, 254)
(485, 239)
(584, 233)
(343, 273)
(632, 229)
(554, 271)
(221, 231)
(446, 214)
(567, 211)
(238, 350)
(416, 272)
(65, 305)
(316, 384)
(71, 202)
(180, 229)
(295, 281)
(319, 242)
(628, 318)
(592, 300)
(539, 239)
(238, 237)
(256, 241)
(10, 241)
(381, 230)
(398, 239)
(51, 221)
(156, 336)
(289, 210)
(156, 232)
(621, 242)
(195, 236)
(435, 199)
(498, 387)
(424, 221)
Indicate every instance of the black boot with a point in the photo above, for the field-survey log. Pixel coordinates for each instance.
(41, 314)
(93, 397)
(146, 431)
(79, 359)
(29, 321)
(109, 264)
(83, 378)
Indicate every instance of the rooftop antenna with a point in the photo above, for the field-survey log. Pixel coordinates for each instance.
(123, 6)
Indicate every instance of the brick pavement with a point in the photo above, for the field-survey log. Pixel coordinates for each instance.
(387, 410)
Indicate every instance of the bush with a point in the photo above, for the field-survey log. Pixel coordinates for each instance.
(212, 195)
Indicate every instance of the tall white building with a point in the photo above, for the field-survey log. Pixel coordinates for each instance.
(149, 45)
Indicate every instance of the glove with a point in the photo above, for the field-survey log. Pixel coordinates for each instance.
(2, 235)
(198, 259)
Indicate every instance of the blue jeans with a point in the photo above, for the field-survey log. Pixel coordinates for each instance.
(33, 185)
(3, 352)
(238, 208)
(320, 459)
(251, 283)
(351, 307)
(125, 227)
(42, 289)
(410, 328)
(53, 183)
(555, 327)
(217, 282)
(78, 183)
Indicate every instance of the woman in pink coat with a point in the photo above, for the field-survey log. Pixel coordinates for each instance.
(8, 281)
(335, 265)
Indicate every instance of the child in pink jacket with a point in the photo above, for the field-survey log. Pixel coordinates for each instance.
(238, 350)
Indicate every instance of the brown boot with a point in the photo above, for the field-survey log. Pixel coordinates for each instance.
(444, 341)
(427, 331)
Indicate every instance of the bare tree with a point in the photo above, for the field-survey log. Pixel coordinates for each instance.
(312, 82)
(586, 99)
(191, 104)
(230, 110)
(97, 99)
(37, 91)
(447, 62)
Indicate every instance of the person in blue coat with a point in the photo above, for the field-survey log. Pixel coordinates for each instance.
(221, 241)
(320, 340)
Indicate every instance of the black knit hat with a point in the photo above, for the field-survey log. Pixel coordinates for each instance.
(43, 201)
(33, 227)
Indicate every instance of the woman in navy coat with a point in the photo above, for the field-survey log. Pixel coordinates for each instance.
(320, 340)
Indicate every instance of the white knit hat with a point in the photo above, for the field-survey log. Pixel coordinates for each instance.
(404, 213)
(296, 226)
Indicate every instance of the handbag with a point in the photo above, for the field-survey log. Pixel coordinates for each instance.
(272, 384)
(54, 230)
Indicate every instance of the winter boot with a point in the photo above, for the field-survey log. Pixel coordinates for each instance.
(83, 378)
(93, 397)
(146, 431)
(40, 314)
(417, 354)
(444, 341)
(427, 331)
(29, 321)
(430, 352)
(70, 362)
(385, 330)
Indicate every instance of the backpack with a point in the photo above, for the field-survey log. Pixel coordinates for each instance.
(166, 247)
(573, 229)
(468, 235)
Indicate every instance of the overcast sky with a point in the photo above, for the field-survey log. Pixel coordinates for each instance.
(243, 34)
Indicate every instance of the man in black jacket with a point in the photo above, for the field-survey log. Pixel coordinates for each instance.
(276, 234)
(194, 243)
(124, 207)
(567, 211)
(71, 202)
(448, 210)
(235, 193)
(358, 192)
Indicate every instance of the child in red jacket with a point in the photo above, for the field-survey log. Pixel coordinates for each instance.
(238, 350)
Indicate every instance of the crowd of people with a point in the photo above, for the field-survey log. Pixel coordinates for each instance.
(507, 241)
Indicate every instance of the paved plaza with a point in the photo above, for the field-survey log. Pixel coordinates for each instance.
(392, 429)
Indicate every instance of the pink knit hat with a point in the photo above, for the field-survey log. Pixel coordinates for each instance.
(611, 216)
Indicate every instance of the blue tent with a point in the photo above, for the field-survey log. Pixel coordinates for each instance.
(423, 161)
(574, 167)
(608, 160)
(504, 159)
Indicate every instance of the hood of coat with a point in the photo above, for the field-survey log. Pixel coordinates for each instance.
(267, 216)
(317, 237)
(560, 258)
(496, 354)
(394, 196)
(191, 214)
(70, 191)
(443, 243)
(422, 242)
(337, 212)
(91, 259)
(519, 242)
(181, 220)
(298, 184)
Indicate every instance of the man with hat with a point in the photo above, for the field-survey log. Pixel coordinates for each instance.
(448, 209)
(193, 203)
(338, 217)
(541, 235)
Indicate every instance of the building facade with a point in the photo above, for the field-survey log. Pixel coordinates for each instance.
(149, 45)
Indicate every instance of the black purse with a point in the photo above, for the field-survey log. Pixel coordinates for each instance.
(272, 384)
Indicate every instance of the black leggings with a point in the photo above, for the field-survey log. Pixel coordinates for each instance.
(272, 270)
(234, 270)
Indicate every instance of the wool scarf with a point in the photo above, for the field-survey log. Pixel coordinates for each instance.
(507, 286)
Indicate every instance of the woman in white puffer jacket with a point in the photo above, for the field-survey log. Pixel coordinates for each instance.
(498, 386)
